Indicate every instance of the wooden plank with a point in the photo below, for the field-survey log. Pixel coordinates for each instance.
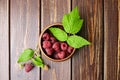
(118, 73)
(87, 62)
(24, 34)
(52, 11)
(4, 40)
(111, 39)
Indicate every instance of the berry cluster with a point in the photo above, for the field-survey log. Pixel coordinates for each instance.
(55, 49)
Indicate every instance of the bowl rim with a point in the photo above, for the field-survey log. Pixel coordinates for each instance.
(40, 47)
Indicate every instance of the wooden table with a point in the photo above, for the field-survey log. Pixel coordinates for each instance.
(21, 22)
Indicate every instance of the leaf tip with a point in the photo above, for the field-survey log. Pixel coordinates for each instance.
(88, 43)
(76, 7)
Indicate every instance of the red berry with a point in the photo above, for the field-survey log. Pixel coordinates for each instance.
(64, 46)
(67, 53)
(28, 67)
(49, 51)
(61, 54)
(56, 46)
(46, 36)
(51, 35)
(56, 56)
(53, 40)
(46, 44)
(70, 49)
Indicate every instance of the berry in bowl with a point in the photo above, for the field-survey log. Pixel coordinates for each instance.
(59, 41)
(51, 47)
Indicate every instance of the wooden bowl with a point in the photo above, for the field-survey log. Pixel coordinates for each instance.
(40, 44)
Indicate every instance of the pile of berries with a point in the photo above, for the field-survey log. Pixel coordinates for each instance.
(54, 48)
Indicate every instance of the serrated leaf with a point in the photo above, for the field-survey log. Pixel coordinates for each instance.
(75, 13)
(37, 62)
(77, 41)
(59, 34)
(26, 55)
(72, 22)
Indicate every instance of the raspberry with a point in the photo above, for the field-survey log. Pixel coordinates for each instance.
(70, 49)
(28, 67)
(51, 34)
(46, 44)
(53, 40)
(67, 53)
(61, 54)
(64, 46)
(56, 56)
(56, 46)
(49, 51)
(46, 36)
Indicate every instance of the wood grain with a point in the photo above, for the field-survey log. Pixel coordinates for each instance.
(87, 63)
(4, 40)
(53, 11)
(99, 61)
(24, 34)
(119, 41)
(111, 39)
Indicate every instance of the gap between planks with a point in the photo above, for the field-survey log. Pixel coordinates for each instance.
(118, 41)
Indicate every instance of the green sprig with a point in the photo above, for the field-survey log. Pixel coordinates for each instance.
(33, 56)
(72, 24)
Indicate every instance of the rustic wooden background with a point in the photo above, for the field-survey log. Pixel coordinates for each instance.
(21, 22)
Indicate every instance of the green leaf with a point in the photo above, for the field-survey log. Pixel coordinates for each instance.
(38, 62)
(26, 55)
(72, 22)
(77, 41)
(75, 13)
(38, 59)
(59, 34)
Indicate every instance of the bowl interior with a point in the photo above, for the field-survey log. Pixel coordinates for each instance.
(40, 43)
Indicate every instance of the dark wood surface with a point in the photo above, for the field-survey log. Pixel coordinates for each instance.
(89, 60)
(21, 22)
(111, 40)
